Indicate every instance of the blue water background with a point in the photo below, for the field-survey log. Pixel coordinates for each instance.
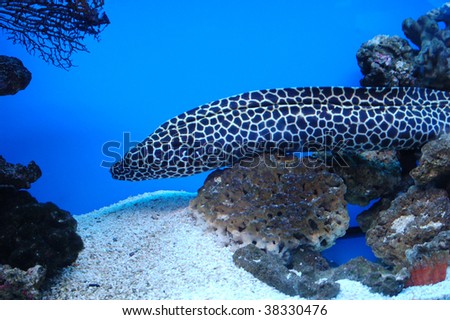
(158, 59)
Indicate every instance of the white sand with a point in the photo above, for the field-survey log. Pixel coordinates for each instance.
(150, 247)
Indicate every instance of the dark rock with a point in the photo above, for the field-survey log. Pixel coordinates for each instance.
(431, 66)
(390, 61)
(33, 233)
(308, 262)
(276, 204)
(413, 218)
(386, 61)
(434, 164)
(428, 262)
(367, 217)
(17, 175)
(13, 75)
(269, 269)
(373, 275)
(368, 175)
(19, 284)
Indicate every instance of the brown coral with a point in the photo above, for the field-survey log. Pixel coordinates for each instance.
(276, 205)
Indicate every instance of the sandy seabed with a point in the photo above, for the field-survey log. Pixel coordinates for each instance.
(151, 247)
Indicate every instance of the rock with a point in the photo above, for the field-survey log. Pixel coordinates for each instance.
(373, 275)
(431, 65)
(13, 75)
(368, 175)
(368, 216)
(308, 262)
(428, 262)
(33, 233)
(434, 164)
(413, 218)
(269, 269)
(276, 204)
(386, 61)
(390, 61)
(17, 175)
(19, 284)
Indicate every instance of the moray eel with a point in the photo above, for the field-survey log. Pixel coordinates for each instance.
(226, 131)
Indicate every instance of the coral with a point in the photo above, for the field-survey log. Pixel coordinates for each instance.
(434, 164)
(269, 269)
(34, 233)
(20, 284)
(414, 217)
(53, 29)
(368, 175)
(390, 61)
(18, 176)
(13, 75)
(275, 204)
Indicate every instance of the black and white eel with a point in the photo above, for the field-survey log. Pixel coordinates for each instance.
(223, 132)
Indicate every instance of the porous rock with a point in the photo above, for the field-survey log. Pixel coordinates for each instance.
(434, 164)
(368, 175)
(33, 233)
(269, 269)
(21, 284)
(18, 175)
(413, 218)
(13, 75)
(276, 204)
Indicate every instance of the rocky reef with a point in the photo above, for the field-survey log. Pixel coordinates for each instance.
(391, 61)
(13, 75)
(280, 211)
(36, 239)
(284, 211)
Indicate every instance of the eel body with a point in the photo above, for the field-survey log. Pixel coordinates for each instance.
(226, 131)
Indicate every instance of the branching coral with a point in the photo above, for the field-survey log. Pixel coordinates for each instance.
(53, 29)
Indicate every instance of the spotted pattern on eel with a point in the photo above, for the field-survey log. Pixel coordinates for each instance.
(225, 131)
